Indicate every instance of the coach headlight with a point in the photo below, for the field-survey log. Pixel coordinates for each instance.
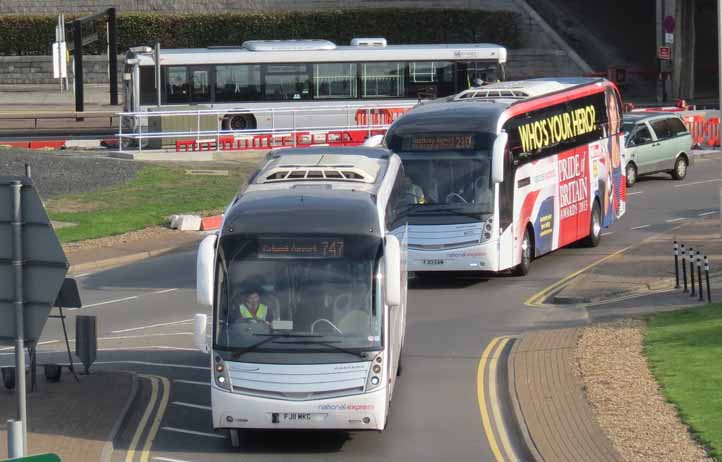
(220, 372)
(487, 229)
(376, 372)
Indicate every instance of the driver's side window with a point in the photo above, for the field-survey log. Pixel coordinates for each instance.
(641, 136)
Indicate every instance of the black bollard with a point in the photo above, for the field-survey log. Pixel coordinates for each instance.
(706, 275)
(684, 269)
(676, 266)
(699, 276)
(691, 272)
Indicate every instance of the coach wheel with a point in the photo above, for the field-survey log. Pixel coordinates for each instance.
(631, 175)
(235, 438)
(239, 122)
(680, 168)
(527, 254)
(595, 227)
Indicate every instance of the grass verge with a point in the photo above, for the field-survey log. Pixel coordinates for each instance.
(156, 192)
(685, 351)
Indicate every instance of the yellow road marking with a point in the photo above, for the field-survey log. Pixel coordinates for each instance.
(485, 420)
(165, 387)
(538, 298)
(493, 398)
(139, 431)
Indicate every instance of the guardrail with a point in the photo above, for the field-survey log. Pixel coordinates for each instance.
(206, 129)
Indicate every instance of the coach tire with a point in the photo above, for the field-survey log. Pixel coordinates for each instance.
(680, 168)
(631, 174)
(527, 254)
(595, 227)
(235, 438)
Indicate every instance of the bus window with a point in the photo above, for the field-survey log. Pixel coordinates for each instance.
(335, 80)
(382, 80)
(430, 79)
(473, 73)
(147, 86)
(200, 90)
(287, 82)
(238, 83)
(177, 86)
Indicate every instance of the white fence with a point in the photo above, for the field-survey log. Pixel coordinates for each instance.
(271, 127)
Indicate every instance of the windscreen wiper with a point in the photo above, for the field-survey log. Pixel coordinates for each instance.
(329, 344)
(269, 337)
(451, 212)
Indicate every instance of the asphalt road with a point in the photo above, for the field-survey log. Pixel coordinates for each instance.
(144, 316)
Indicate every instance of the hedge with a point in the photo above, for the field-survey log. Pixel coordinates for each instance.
(32, 35)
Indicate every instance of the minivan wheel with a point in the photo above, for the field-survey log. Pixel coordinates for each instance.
(631, 175)
(680, 168)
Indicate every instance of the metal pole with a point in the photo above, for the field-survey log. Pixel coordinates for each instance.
(691, 272)
(684, 269)
(156, 58)
(699, 275)
(676, 266)
(15, 439)
(78, 54)
(19, 310)
(706, 275)
(27, 170)
(719, 67)
(113, 56)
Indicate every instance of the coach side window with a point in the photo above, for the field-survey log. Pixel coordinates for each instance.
(398, 203)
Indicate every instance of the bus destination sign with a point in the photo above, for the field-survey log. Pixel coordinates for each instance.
(300, 247)
(437, 142)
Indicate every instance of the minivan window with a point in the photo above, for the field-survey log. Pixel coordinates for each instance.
(661, 129)
(676, 127)
(641, 136)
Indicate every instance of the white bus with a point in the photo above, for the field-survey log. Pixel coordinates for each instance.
(265, 74)
(507, 172)
(308, 293)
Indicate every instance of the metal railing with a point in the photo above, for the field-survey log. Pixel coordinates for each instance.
(275, 126)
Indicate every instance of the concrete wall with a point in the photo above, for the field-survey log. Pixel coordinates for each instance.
(30, 70)
(85, 6)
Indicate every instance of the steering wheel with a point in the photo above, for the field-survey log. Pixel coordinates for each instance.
(313, 325)
(456, 198)
(250, 326)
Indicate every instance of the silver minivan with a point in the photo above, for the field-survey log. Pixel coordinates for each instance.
(654, 143)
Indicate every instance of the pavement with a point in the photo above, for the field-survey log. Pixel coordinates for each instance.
(124, 251)
(49, 98)
(76, 420)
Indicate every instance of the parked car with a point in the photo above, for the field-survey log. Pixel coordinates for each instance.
(656, 143)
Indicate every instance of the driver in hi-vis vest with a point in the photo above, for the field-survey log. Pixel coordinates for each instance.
(253, 309)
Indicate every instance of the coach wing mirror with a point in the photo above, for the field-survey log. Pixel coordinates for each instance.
(204, 271)
(392, 265)
(497, 157)
(374, 141)
(200, 321)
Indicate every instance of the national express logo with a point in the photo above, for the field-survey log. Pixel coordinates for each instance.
(345, 407)
(557, 128)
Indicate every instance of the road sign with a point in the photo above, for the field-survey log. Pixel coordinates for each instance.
(664, 53)
(44, 263)
(668, 38)
(37, 458)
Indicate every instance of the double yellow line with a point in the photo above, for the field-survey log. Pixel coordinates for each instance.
(499, 441)
(159, 386)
